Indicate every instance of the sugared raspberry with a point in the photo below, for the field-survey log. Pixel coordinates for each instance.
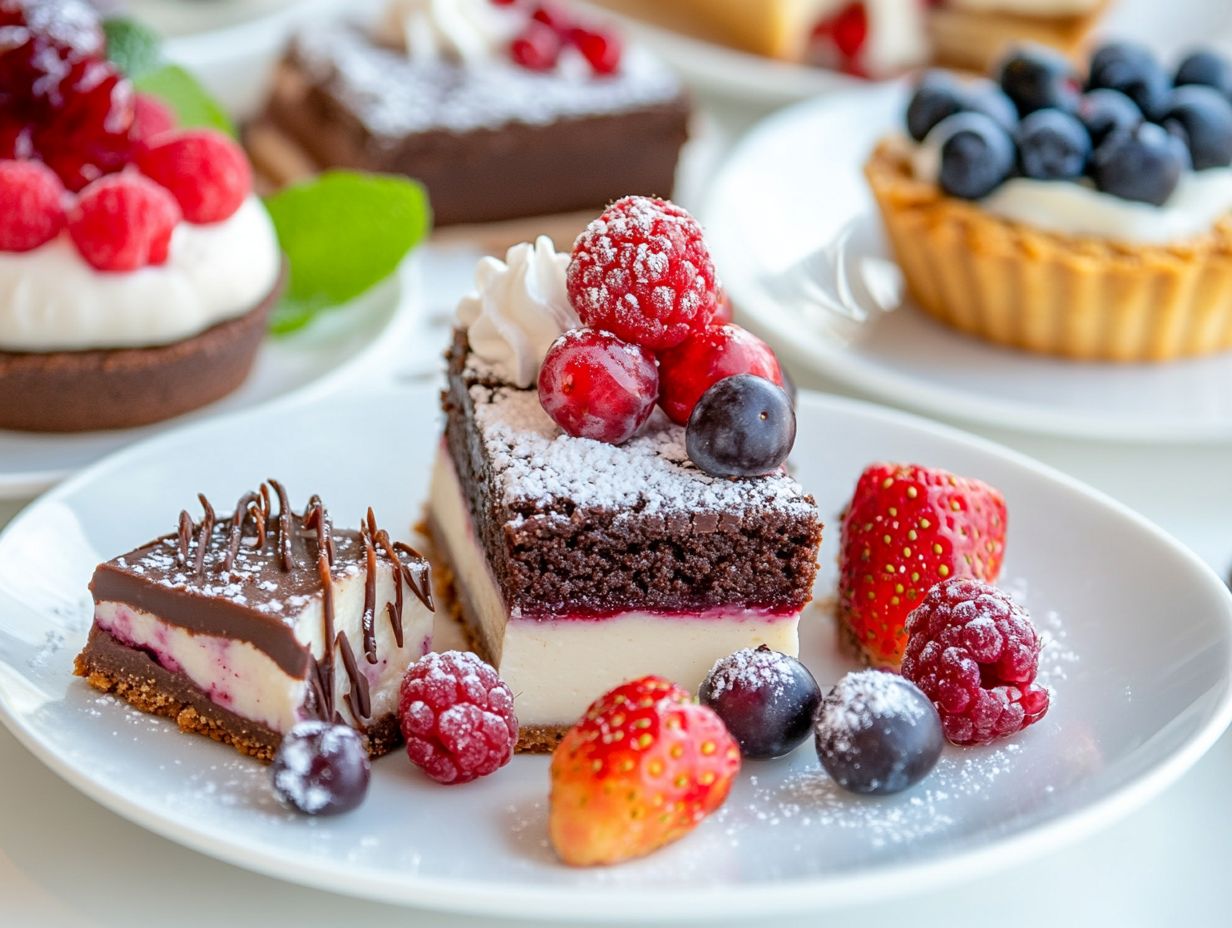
(643, 272)
(601, 50)
(706, 357)
(536, 48)
(152, 117)
(974, 653)
(31, 205)
(205, 171)
(87, 132)
(596, 386)
(457, 717)
(123, 222)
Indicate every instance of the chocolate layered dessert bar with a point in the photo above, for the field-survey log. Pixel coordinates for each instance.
(583, 536)
(501, 115)
(239, 626)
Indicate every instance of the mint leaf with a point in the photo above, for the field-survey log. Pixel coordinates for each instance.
(342, 233)
(134, 48)
(193, 107)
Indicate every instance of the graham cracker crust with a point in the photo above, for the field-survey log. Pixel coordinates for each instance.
(535, 739)
(131, 674)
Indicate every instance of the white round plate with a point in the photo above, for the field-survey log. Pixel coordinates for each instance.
(767, 227)
(1139, 656)
(333, 348)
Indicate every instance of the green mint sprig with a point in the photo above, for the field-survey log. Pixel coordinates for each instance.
(343, 233)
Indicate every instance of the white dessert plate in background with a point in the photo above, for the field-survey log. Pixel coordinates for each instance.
(763, 225)
(1139, 657)
(339, 344)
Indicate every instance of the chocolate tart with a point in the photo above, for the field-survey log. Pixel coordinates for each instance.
(81, 391)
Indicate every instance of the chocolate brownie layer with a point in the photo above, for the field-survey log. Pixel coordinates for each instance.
(489, 144)
(79, 391)
(585, 528)
(134, 676)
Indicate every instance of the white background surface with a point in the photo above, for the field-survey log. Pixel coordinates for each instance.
(66, 861)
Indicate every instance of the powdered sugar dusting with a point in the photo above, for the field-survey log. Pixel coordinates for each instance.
(394, 95)
(750, 669)
(860, 699)
(535, 465)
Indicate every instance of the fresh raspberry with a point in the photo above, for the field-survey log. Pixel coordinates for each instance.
(123, 222)
(643, 272)
(31, 205)
(88, 131)
(706, 357)
(151, 117)
(594, 385)
(536, 48)
(642, 768)
(205, 171)
(974, 653)
(601, 50)
(457, 717)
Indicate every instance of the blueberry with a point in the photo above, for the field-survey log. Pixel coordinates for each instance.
(1205, 116)
(1144, 164)
(743, 426)
(1052, 146)
(1208, 69)
(765, 698)
(1105, 111)
(877, 734)
(1134, 71)
(1035, 78)
(984, 96)
(321, 769)
(977, 155)
(937, 96)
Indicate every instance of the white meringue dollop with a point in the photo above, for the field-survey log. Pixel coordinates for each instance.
(467, 30)
(518, 308)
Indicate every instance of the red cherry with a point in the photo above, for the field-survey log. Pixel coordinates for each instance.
(596, 386)
(601, 50)
(537, 48)
(706, 357)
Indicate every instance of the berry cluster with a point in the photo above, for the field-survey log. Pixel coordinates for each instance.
(79, 151)
(550, 29)
(643, 284)
(1130, 127)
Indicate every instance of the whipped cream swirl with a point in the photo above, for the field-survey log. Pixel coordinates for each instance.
(465, 30)
(518, 308)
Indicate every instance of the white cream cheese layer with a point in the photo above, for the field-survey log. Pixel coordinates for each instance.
(1077, 208)
(557, 667)
(243, 679)
(52, 300)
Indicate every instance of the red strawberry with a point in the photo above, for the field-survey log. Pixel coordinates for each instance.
(906, 529)
(642, 768)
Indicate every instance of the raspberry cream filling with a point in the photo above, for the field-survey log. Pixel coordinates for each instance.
(52, 300)
(1200, 200)
(557, 667)
(241, 678)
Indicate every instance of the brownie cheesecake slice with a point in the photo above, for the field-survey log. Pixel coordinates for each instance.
(240, 626)
(576, 564)
(499, 114)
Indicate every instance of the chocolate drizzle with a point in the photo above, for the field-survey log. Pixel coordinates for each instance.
(254, 509)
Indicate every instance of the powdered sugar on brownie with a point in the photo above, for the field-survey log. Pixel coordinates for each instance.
(394, 96)
(536, 466)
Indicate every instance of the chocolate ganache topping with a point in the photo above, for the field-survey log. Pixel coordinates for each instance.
(247, 575)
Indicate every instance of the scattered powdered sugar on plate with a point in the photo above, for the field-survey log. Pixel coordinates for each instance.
(1057, 656)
